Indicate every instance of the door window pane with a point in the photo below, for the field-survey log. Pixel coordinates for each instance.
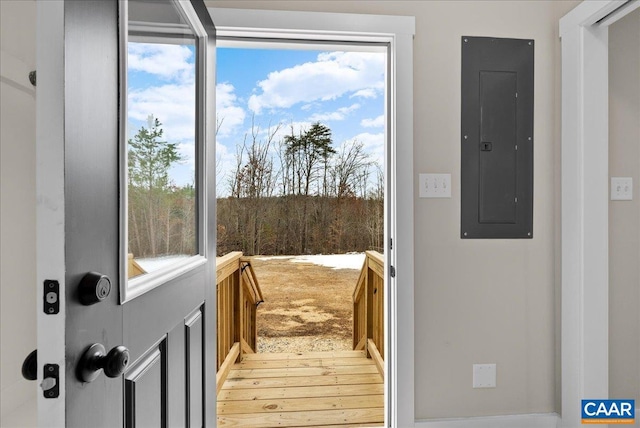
(160, 137)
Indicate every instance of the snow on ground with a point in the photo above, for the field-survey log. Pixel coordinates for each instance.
(265, 258)
(334, 261)
(155, 263)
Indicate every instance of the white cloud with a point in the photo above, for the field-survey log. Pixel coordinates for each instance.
(164, 61)
(169, 94)
(227, 110)
(373, 145)
(340, 114)
(173, 105)
(373, 123)
(331, 76)
(284, 129)
(365, 93)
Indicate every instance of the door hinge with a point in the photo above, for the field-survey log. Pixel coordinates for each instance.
(392, 271)
(391, 243)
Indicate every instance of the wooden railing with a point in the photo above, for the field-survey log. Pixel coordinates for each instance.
(133, 269)
(368, 309)
(238, 294)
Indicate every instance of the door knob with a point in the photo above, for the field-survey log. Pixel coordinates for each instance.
(30, 366)
(94, 288)
(94, 360)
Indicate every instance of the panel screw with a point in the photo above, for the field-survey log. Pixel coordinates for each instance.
(466, 136)
(50, 310)
(529, 234)
(466, 40)
(530, 43)
(529, 138)
(465, 234)
(50, 369)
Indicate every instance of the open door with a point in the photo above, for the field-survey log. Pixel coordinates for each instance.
(118, 346)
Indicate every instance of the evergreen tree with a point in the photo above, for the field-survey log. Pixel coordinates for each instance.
(149, 161)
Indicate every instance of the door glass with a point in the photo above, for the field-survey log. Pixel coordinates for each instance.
(160, 138)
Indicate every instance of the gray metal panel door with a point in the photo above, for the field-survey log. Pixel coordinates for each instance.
(169, 330)
(496, 138)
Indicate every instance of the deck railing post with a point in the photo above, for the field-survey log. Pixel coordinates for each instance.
(365, 297)
(239, 309)
(368, 309)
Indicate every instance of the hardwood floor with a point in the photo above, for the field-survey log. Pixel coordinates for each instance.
(314, 389)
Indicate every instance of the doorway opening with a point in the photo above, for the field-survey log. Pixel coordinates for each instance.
(301, 137)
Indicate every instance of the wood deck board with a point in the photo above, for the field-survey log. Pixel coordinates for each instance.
(310, 362)
(300, 392)
(338, 389)
(264, 372)
(303, 355)
(297, 381)
(303, 419)
(299, 404)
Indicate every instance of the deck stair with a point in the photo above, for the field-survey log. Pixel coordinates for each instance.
(307, 389)
(339, 388)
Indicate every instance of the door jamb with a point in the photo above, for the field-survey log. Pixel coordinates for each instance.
(50, 201)
(585, 194)
(398, 31)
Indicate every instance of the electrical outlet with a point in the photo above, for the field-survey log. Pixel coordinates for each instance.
(621, 188)
(484, 375)
(435, 185)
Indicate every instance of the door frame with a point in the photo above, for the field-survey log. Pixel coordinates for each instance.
(397, 32)
(50, 210)
(585, 202)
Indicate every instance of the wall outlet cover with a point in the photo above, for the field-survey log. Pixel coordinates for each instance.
(484, 375)
(621, 188)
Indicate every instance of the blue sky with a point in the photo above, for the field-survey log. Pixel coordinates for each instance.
(293, 88)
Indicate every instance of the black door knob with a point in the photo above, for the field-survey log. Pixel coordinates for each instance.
(30, 366)
(94, 360)
(94, 287)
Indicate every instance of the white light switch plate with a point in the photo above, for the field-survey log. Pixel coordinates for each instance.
(435, 185)
(484, 375)
(621, 188)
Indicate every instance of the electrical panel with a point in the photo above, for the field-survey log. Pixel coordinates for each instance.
(497, 138)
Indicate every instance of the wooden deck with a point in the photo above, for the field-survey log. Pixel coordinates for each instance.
(314, 389)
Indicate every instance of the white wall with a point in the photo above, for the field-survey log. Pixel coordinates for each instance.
(624, 216)
(477, 301)
(18, 198)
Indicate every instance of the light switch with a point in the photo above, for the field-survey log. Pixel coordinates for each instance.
(484, 375)
(435, 185)
(621, 188)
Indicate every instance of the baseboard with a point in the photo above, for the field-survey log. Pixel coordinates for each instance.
(539, 420)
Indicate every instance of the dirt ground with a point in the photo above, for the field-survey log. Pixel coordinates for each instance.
(307, 307)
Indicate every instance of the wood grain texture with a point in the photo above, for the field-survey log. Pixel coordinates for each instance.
(338, 389)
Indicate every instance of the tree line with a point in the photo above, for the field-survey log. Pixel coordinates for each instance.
(301, 195)
(294, 195)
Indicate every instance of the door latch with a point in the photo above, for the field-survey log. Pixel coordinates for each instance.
(51, 381)
(51, 297)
